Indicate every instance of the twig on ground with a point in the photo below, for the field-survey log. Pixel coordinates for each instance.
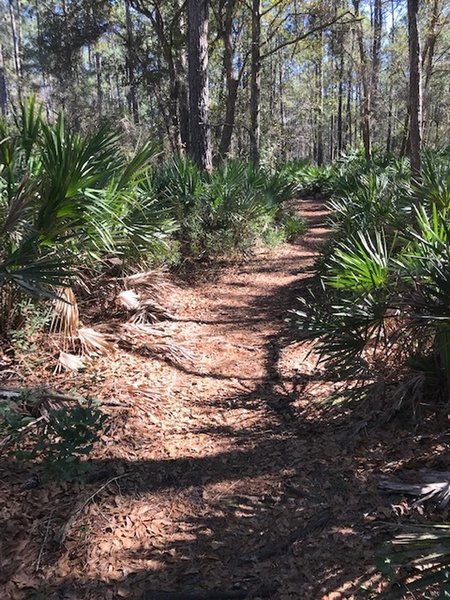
(82, 505)
(44, 542)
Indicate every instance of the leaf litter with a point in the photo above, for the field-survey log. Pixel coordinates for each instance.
(221, 474)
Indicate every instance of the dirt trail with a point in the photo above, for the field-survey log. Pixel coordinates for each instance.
(230, 477)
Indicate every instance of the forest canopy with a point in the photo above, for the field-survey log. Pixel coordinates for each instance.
(278, 79)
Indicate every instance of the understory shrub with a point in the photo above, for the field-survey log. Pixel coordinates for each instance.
(381, 309)
(227, 211)
(58, 439)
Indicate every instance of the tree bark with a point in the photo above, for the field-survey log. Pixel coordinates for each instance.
(200, 141)
(98, 74)
(319, 103)
(16, 48)
(415, 92)
(255, 86)
(132, 92)
(339, 124)
(3, 86)
(376, 50)
(231, 78)
(365, 88)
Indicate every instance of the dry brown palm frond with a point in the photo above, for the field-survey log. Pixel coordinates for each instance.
(143, 311)
(140, 331)
(150, 311)
(154, 282)
(142, 339)
(71, 362)
(171, 352)
(431, 485)
(129, 299)
(66, 318)
(94, 342)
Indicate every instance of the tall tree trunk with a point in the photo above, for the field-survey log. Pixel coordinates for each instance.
(339, 124)
(255, 86)
(200, 141)
(376, 50)
(428, 51)
(348, 117)
(3, 86)
(415, 91)
(99, 76)
(319, 103)
(16, 48)
(282, 110)
(181, 74)
(365, 89)
(132, 91)
(231, 79)
(391, 85)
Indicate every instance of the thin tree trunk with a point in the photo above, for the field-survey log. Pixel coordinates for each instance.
(415, 92)
(232, 82)
(3, 86)
(339, 124)
(255, 86)
(282, 111)
(319, 103)
(98, 73)
(376, 49)
(181, 71)
(391, 85)
(365, 96)
(133, 106)
(428, 51)
(200, 142)
(16, 49)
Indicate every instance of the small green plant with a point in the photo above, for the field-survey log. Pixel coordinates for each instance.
(292, 225)
(30, 320)
(59, 439)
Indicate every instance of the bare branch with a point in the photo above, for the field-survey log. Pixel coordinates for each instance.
(306, 34)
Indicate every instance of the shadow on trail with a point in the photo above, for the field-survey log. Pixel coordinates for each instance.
(219, 529)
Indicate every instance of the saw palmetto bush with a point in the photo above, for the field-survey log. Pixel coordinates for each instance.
(417, 560)
(308, 179)
(226, 211)
(381, 315)
(68, 201)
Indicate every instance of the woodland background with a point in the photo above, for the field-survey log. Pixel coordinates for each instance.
(287, 78)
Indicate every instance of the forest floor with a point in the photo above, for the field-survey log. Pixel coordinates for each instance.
(222, 471)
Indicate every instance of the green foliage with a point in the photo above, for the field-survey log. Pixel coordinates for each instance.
(68, 200)
(309, 180)
(385, 275)
(420, 554)
(292, 225)
(227, 211)
(59, 441)
(28, 322)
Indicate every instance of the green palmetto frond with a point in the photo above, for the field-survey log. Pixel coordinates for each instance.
(434, 186)
(362, 264)
(422, 550)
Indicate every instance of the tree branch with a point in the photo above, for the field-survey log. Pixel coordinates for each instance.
(303, 36)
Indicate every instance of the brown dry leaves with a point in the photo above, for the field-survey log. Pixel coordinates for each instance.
(222, 460)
